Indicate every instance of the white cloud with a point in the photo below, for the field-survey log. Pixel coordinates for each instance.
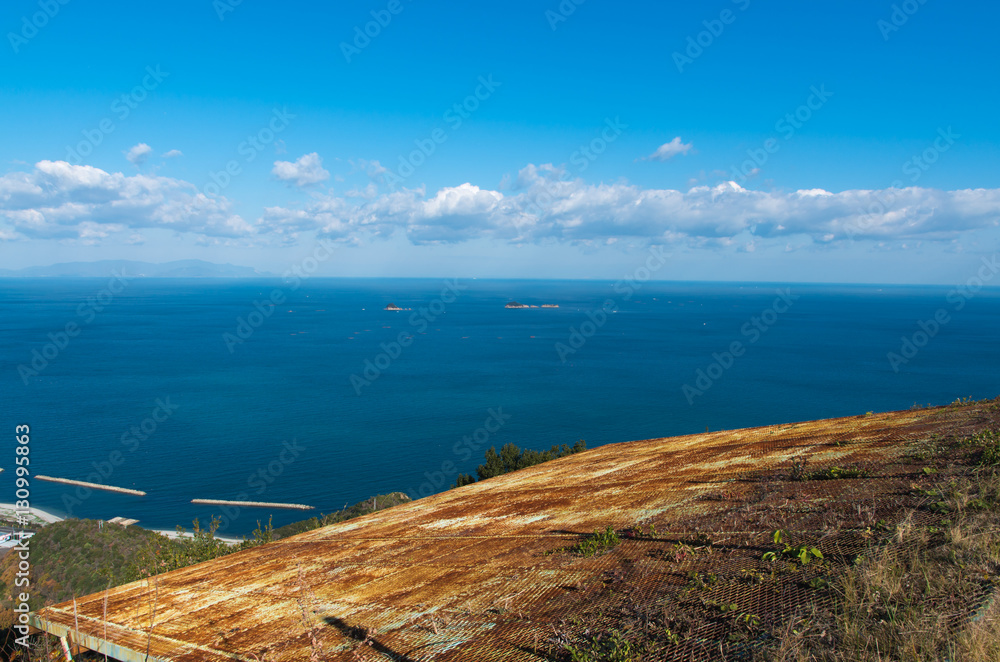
(138, 154)
(545, 205)
(460, 212)
(307, 170)
(669, 150)
(542, 204)
(172, 154)
(60, 200)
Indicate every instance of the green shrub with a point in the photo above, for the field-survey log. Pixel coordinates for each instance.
(370, 505)
(511, 458)
(465, 479)
(989, 441)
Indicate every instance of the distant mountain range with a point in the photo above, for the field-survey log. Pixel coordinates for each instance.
(103, 268)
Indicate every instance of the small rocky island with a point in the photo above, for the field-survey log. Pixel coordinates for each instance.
(392, 306)
(515, 304)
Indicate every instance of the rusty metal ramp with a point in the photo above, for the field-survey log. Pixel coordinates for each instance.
(487, 571)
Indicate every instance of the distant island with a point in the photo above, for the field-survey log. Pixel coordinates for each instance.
(515, 304)
(393, 306)
(132, 268)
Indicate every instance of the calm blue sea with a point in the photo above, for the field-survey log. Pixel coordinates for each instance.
(278, 418)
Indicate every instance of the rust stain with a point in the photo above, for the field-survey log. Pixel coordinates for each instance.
(470, 574)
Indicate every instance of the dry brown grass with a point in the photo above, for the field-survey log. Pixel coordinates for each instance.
(929, 593)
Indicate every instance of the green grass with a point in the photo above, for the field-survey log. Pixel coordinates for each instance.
(606, 647)
(597, 542)
(833, 473)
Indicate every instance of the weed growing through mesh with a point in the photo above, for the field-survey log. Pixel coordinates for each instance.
(597, 542)
(926, 597)
(833, 473)
(803, 552)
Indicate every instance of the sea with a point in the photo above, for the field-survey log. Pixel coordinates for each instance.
(310, 392)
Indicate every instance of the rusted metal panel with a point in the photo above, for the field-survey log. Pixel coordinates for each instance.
(476, 573)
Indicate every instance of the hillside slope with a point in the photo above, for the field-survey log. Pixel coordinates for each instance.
(812, 540)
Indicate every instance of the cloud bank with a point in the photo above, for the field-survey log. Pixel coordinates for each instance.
(58, 200)
(546, 205)
(543, 204)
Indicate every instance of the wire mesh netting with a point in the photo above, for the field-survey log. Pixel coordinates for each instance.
(711, 545)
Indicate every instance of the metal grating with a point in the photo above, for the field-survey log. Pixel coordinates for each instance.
(476, 573)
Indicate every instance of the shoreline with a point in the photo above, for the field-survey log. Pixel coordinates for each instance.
(173, 535)
(39, 515)
(42, 517)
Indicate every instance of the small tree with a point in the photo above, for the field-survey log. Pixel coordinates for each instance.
(511, 458)
(464, 479)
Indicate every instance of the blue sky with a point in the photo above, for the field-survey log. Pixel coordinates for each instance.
(752, 140)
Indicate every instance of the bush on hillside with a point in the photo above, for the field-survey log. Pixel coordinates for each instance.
(512, 458)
